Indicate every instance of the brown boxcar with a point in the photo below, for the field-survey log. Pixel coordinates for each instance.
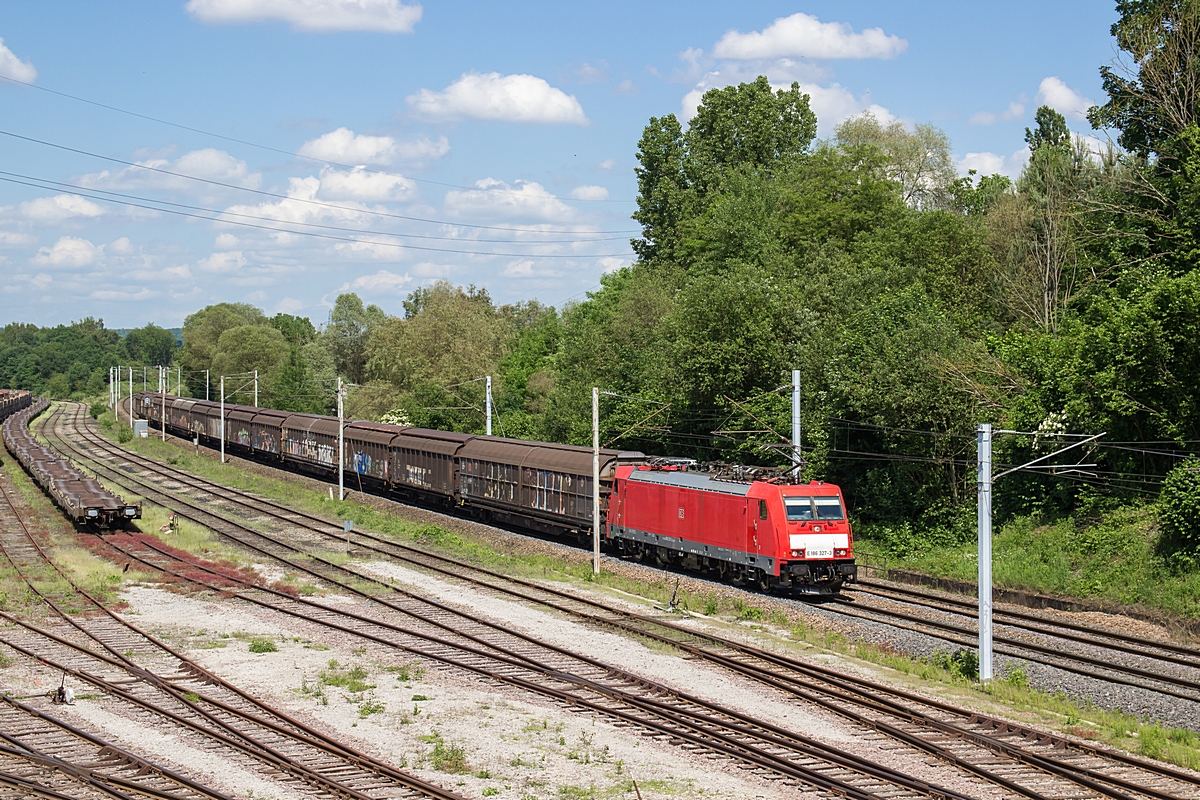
(368, 450)
(310, 441)
(266, 431)
(424, 463)
(537, 485)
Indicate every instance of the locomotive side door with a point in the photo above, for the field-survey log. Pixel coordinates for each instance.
(760, 525)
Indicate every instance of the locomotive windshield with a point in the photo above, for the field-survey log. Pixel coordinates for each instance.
(803, 509)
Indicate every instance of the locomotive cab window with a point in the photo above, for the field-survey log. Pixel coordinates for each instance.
(804, 509)
(762, 509)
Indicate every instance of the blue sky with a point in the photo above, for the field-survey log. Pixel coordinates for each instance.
(481, 143)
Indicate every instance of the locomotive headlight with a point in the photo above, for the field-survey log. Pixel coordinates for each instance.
(797, 554)
(131, 512)
(93, 512)
(839, 552)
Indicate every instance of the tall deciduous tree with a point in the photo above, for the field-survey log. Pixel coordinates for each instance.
(748, 127)
(919, 160)
(150, 345)
(350, 323)
(202, 331)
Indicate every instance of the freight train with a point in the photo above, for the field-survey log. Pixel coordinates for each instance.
(84, 500)
(769, 535)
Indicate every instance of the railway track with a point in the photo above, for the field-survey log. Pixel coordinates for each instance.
(163, 687)
(448, 636)
(1157, 666)
(1024, 761)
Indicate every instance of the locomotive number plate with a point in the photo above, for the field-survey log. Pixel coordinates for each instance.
(819, 552)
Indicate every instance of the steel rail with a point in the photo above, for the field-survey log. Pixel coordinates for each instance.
(696, 731)
(1091, 778)
(1183, 684)
(304, 734)
(1119, 640)
(93, 776)
(203, 517)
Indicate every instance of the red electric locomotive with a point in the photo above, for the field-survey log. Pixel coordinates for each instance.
(770, 535)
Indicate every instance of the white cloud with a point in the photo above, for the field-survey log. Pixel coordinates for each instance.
(606, 165)
(519, 269)
(589, 73)
(174, 274)
(10, 239)
(388, 16)
(612, 263)
(208, 164)
(987, 163)
(121, 247)
(370, 251)
(226, 241)
(832, 104)
(1014, 111)
(804, 36)
(127, 296)
(289, 305)
(382, 282)
(296, 208)
(589, 193)
(344, 146)
(1062, 98)
(492, 96)
(68, 251)
(493, 198)
(59, 208)
(626, 87)
(15, 68)
(222, 263)
(362, 184)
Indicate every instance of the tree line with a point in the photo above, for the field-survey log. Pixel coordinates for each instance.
(915, 303)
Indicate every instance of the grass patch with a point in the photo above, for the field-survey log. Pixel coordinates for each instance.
(446, 756)
(1113, 558)
(262, 646)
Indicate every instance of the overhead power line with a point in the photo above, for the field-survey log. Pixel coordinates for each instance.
(277, 196)
(316, 235)
(50, 184)
(265, 147)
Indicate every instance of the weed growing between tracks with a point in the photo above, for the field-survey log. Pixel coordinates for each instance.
(99, 577)
(1054, 712)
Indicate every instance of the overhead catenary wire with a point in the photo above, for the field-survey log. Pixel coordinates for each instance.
(266, 147)
(278, 196)
(52, 184)
(332, 237)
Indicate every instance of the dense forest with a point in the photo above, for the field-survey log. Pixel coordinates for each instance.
(915, 303)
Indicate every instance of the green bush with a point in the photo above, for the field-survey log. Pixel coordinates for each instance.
(124, 435)
(97, 409)
(262, 646)
(1179, 514)
(962, 663)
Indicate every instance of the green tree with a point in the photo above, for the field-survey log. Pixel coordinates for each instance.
(346, 335)
(203, 330)
(1051, 131)
(918, 160)
(151, 345)
(247, 348)
(297, 330)
(1154, 95)
(747, 127)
